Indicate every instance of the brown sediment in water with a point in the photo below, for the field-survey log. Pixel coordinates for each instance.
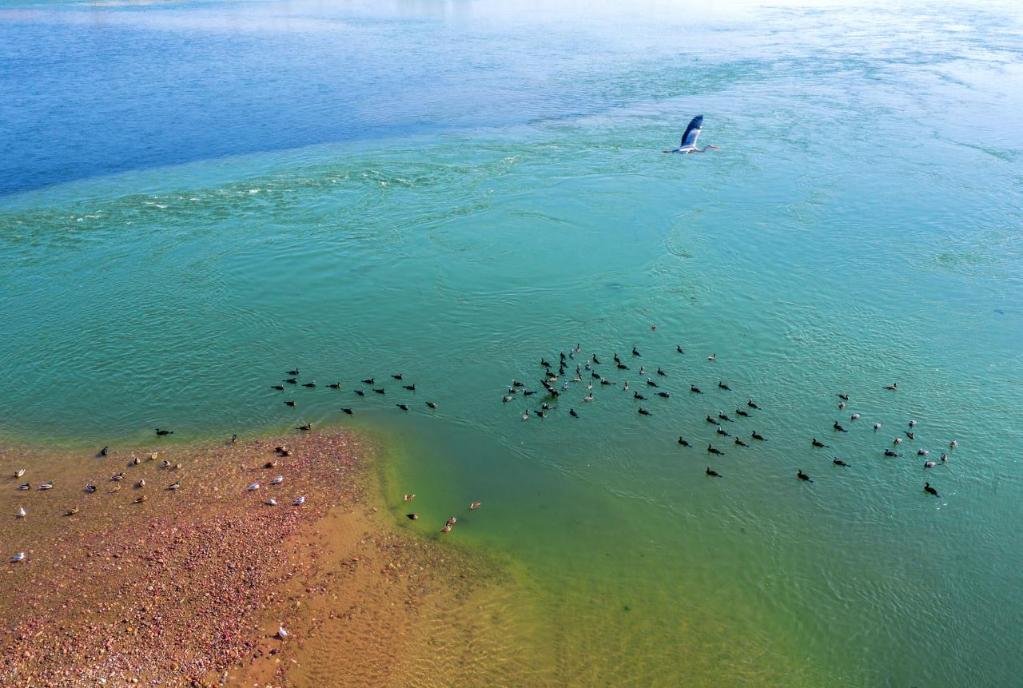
(190, 586)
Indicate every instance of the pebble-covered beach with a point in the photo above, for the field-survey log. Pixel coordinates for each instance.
(192, 586)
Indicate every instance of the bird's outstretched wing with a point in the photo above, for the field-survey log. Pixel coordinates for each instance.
(692, 132)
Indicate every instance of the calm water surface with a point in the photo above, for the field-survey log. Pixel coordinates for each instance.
(199, 196)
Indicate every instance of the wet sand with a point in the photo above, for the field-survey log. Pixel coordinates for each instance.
(190, 586)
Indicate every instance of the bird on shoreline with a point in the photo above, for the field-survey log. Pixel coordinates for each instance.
(299, 501)
(21, 513)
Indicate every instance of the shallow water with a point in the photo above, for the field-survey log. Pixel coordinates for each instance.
(476, 188)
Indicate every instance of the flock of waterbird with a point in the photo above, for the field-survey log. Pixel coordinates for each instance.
(138, 482)
(371, 385)
(573, 373)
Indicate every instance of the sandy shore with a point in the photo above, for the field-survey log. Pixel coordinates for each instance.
(189, 586)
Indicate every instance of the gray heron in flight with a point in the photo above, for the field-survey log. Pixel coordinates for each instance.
(689, 136)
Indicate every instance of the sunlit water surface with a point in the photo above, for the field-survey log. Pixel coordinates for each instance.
(200, 196)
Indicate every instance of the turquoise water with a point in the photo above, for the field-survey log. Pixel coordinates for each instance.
(859, 226)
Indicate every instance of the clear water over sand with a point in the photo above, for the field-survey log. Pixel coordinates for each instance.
(201, 196)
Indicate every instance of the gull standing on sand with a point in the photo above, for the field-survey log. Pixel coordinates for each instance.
(252, 487)
(21, 513)
(299, 501)
(20, 556)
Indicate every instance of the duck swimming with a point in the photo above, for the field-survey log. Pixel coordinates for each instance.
(740, 412)
(431, 404)
(163, 433)
(839, 462)
(892, 387)
(740, 442)
(722, 385)
(803, 476)
(817, 443)
(403, 407)
(752, 404)
(695, 390)
(310, 384)
(838, 427)
(757, 436)
(682, 441)
(930, 490)
(474, 506)
(712, 473)
(711, 449)
(346, 411)
(290, 403)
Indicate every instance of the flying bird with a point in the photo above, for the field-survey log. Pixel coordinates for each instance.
(689, 136)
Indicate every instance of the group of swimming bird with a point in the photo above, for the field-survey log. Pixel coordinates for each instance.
(367, 384)
(574, 370)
